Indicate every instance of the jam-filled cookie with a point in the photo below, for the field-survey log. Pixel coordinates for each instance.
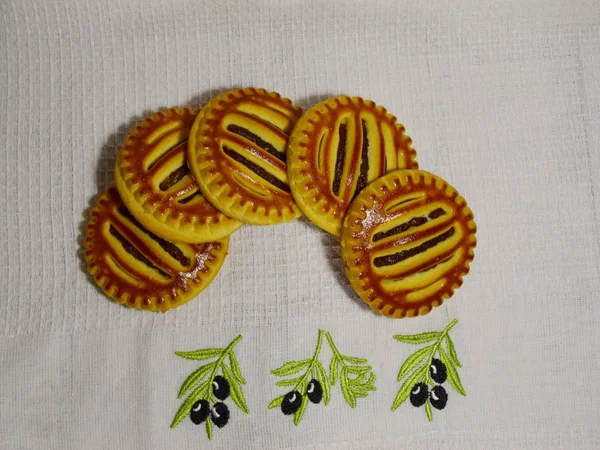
(407, 242)
(137, 268)
(336, 149)
(237, 154)
(154, 181)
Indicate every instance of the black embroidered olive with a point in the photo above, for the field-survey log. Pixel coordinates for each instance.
(220, 387)
(199, 411)
(314, 391)
(418, 395)
(438, 397)
(438, 371)
(291, 402)
(219, 414)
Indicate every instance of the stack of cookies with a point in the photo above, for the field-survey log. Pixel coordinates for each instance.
(186, 179)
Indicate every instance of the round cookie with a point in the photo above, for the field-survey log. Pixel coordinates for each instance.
(237, 154)
(153, 179)
(337, 148)
(135, 267)
(407, 241)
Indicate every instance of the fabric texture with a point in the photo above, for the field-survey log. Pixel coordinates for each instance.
(501, 99)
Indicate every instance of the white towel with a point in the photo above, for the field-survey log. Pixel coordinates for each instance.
(501, 98)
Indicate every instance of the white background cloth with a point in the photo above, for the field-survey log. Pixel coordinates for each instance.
(501, 98)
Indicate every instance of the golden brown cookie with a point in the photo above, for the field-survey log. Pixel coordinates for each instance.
(337, 148)
(407, 242)
(135, 267)
(153, 179)
(237, 154)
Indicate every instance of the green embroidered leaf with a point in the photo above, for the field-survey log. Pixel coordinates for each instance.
(204, 388)
(333, 370)
(322, 377)
(185, 407)
(453, 377)
(346, 391)
(368, 387)
(404, 391)
(360, 378)
(298, 414)
(354, 360)
(360, 385)
(209, 428)
(288, 381)
(413, 361)
(194, 378)
(205, 353)
(418, 338)
(236, 391)
(359, 369)
(291, 368)
(452, 351)
(428, 411)
(356, 381)
(363, 388)
(371, 380)
(235, 368)
(276, 402)
(360, 394)
(303, 385)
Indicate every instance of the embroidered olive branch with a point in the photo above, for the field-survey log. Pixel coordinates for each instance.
(294, 402)
(356, 379)
(208, 386)
(352, 387)
(423, 381)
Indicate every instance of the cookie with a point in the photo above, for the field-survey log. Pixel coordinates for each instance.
(336, 149)
(135, 267)
(154, 181)
(237, 154)
(407, 241)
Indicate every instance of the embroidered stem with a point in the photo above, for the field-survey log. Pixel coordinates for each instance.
(313, 360)
(443, 334)
(336, 353)
(218, 366)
